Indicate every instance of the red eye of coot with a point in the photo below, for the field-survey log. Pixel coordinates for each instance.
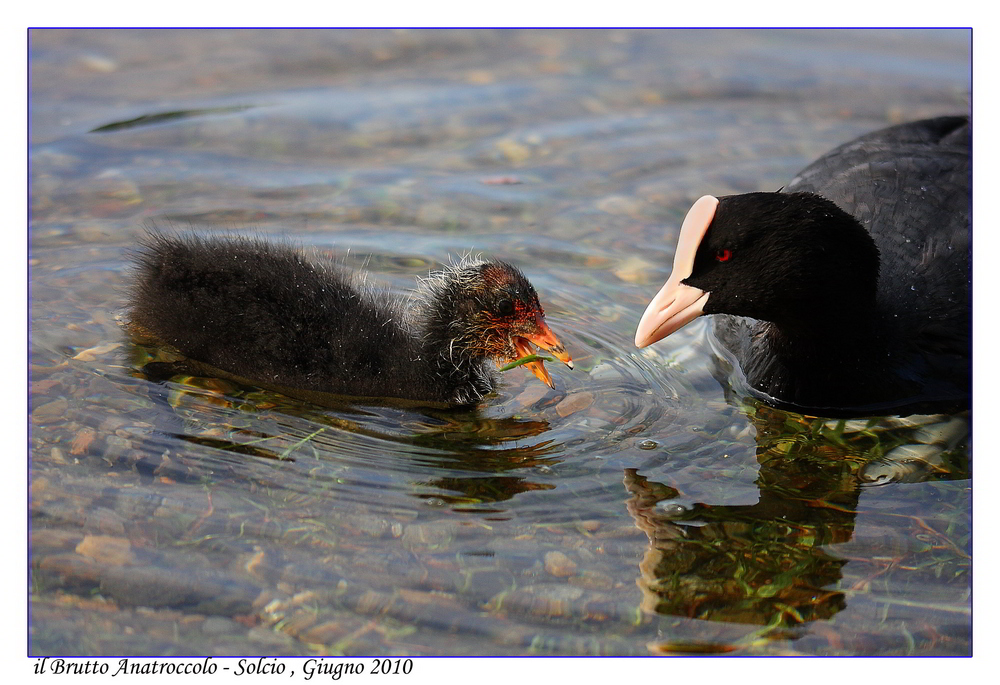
(723, 255)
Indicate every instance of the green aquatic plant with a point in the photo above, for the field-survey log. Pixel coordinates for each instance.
(526, 359)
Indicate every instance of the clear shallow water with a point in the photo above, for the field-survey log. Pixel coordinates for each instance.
(644, 506)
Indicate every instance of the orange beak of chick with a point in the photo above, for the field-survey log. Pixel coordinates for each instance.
(541, 336)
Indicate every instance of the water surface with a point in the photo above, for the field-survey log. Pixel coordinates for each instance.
(644, 506)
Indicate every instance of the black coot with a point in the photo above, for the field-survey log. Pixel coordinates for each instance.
(275, 315)
(854, 280)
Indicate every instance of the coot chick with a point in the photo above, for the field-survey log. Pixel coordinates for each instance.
(273, 314)
(854, 279)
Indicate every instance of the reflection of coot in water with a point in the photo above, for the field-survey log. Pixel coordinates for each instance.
(762, 564)
(854, 278)
(774, 562)
(274, 315)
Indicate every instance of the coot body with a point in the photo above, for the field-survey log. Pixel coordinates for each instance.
(276, 315)
(848, 291)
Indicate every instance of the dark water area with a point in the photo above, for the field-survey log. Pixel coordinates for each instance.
(646, 505)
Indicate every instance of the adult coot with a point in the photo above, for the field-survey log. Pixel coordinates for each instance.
(848, 290)
(273, 314)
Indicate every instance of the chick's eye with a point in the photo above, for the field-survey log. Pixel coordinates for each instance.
(723, 255)
(505, 308)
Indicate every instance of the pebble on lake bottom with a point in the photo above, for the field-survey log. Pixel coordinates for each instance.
(559, 565)
(574, 403)
(109, 550)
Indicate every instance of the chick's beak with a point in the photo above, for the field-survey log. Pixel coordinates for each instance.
(542, 336)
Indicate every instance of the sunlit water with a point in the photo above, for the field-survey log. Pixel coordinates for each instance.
(644, 506)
